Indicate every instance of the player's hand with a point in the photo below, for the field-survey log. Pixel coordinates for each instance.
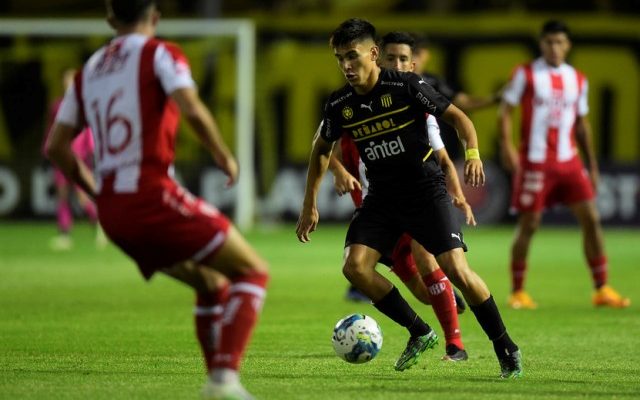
(474, 173)
(345, 183)
(307, 223)
(497, 96)
(227, 163)
(462, 204)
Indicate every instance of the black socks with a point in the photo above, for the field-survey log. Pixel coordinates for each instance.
(394, 306)
(489, 318)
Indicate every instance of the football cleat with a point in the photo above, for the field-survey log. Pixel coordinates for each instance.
(225, 391)
(511, 365)
(61, 242)
(353, 294)
(454, 353)
(415, 347)
(521, 300)
(461, 306)
(606, 296)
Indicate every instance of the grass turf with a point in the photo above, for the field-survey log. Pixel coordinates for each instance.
(83, 324)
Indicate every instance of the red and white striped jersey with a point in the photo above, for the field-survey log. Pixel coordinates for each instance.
(122, 93)
(551, 99)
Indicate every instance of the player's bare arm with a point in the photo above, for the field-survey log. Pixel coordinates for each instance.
(473, 170)
(58, 150)
(508, 152)
(583, 138)
(318, 164)
(343, 181)
(453, 186)
(201, 120)
(468, 102)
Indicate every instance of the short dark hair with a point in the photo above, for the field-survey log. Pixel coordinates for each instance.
(554, 26)
(354, 29)
(398, 38)
(422, 41)
(129, 11)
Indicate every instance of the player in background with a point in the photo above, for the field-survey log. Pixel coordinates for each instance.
(547, 169)
(465, 101)
(349, 177)
(83, 146)
(131, 92)
(385, 113)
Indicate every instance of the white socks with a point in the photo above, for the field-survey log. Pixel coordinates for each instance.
(224, 375)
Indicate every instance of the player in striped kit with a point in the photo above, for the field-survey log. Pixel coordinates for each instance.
(547, 169)
(131, 92)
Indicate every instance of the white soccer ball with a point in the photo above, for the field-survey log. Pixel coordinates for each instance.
(357, 338)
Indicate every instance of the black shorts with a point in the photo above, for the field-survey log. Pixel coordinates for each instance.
(428, 217)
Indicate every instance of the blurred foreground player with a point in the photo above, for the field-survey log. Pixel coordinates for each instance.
(130, 93)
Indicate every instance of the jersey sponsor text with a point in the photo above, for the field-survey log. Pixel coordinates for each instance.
(384, 149)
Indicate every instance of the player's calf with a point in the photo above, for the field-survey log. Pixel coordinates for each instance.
(241, 311)
(506, 350)
(207, 316)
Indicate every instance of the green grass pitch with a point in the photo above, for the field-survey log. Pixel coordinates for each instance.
(84, 325)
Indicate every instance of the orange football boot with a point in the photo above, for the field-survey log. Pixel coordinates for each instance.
(521, 300)
(606, 296)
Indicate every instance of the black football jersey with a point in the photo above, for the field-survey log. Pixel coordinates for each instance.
(440, 85)
(388, 127)
(447, 132)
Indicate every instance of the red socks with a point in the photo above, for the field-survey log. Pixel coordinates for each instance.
(240, 315)
(599, 268)
(518, 272)
(444, 305)
(207, 315)
(65, 217)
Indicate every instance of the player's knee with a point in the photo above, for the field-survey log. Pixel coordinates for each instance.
(260, 266)
(353, 269)
(212, 280)
(455, 266)
(529, 226)
(261, 277)
(426, 263)
(592, 219)
(260, 270)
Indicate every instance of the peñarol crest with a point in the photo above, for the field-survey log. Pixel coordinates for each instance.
(347, 112)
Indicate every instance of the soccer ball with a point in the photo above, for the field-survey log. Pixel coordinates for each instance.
(357, 338)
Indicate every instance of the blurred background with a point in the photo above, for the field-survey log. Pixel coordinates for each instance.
(474, 45)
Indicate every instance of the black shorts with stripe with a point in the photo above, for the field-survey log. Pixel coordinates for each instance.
(428, 217)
